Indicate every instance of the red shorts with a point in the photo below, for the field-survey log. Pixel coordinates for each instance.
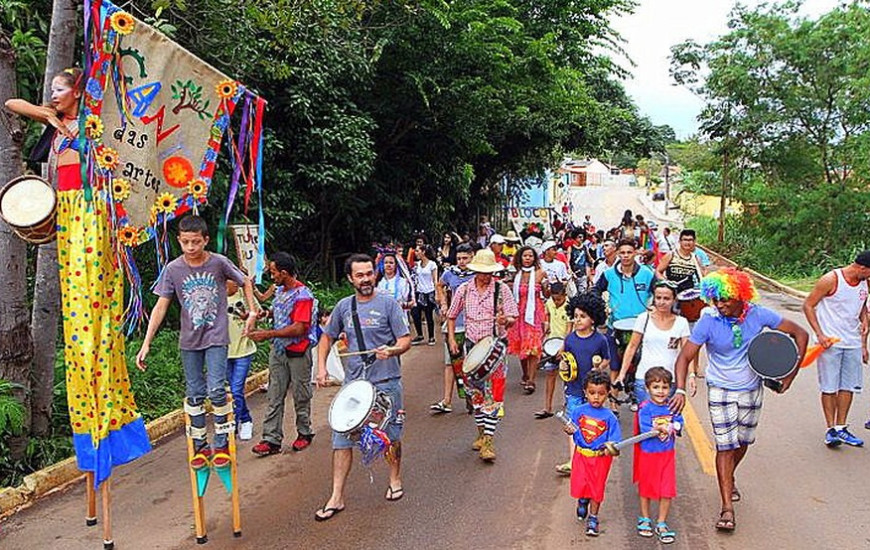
(589, 476)
(69, 177)
(655, 474)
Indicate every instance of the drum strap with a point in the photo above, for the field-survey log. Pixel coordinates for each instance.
(368, 358)
(495, 308)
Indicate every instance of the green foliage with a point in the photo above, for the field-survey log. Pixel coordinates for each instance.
(11, 410)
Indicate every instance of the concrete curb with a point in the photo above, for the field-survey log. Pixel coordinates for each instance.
(793, 292)
(62, 474)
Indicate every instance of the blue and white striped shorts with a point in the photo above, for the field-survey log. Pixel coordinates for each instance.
(734, 414)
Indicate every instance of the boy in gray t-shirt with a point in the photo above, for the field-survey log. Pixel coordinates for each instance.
(198, 280)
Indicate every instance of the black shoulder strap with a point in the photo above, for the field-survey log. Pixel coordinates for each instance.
(368, 358)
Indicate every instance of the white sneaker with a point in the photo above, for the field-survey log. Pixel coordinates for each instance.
(246, 430)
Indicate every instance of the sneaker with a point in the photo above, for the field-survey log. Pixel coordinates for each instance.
(417, 341)
(431, 341)
(582, 509)
(867, 425)
(440, 407)
(633, 407)
(846, 437)
(564, 469)
(265, 448)
(302, 442)
(246, 431)
(831, 438)
(592, 529)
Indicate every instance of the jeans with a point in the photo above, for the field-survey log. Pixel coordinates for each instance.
(211, 384)
(283, 372)
(425, 306)
(237, 373)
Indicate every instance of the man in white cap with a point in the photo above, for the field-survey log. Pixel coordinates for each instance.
(555, 269)
(496, 244)
(489, 308)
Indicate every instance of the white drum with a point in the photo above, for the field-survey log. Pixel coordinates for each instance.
(483, 359)
(358, 404)
(29, 205)
(625, 325)
(552, 346)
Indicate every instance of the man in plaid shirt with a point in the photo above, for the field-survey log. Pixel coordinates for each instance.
(483, 318)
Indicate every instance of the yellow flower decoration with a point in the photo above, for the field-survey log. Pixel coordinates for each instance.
(197, 188)
(121, 189)
(128, 235)
(152, 215)
(166, 203)
(93, 127)
(107, 158)
(122, 22)
(226, 89)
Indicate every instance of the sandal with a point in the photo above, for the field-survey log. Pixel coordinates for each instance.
(542, 414)
(725, 523)
(394, 494)
(644, 527)
(735, 495)
(529, 388)
(325, 514)
(664, 533)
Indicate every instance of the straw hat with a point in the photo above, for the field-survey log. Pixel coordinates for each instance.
(512, 237)
(484, 262)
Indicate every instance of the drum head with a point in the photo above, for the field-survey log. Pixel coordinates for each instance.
(626, 325)
(773, 354)
(26, 201)
(552, 346)
(477, 354)
(688, 295)
(351, 406)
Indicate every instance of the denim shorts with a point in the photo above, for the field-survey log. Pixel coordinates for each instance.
(840, 369)
(395, 426)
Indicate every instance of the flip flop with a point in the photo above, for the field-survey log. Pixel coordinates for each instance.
(394, 494)
(726, 525)
(735, 495)
(540, 415)
(326, 514)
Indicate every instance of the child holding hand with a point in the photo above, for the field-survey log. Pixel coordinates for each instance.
(654, 459)
(594, 425)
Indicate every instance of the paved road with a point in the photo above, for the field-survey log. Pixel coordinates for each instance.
(797, 493)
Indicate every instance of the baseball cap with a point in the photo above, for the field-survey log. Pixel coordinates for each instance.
(863, 258)
(496, 239)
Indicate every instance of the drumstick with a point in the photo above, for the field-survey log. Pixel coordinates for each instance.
(366, 352)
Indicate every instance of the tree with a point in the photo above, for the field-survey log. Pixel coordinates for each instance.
(16, 347)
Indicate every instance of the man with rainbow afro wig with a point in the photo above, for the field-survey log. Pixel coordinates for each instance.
(734, 391)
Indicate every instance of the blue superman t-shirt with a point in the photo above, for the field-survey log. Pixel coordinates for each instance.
(598, 425)
(649, 417)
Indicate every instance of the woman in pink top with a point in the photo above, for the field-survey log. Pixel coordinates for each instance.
(526, 335)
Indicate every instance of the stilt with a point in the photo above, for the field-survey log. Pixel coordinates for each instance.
(197, 488)
(228, 474)
(91, 500)
(105, 489)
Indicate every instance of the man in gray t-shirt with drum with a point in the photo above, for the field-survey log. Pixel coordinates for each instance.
(383, 328)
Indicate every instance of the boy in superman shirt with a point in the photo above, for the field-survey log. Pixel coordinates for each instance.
(594, 426)
(654, 464)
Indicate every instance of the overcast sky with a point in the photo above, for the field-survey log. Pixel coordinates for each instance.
(652, 29)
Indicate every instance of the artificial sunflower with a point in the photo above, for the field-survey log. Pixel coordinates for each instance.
(152, 215)
(226, 89)
(120, 189)
(107, 157)
(128, 235)
(166, 203)
(122, 22)
(197, 188)
(93, 127)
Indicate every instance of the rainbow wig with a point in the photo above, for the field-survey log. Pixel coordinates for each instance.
(728, 284)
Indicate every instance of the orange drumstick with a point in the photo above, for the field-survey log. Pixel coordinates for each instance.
(813, 353)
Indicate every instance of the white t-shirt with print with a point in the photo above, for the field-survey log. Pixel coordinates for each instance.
(659, 348)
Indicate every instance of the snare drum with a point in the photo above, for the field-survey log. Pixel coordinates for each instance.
(483, 359)
(691, 304)
(29, 205)
(622, 330)
(552, 347)
(359, 404)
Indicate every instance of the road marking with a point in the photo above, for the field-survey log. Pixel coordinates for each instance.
(700, 442)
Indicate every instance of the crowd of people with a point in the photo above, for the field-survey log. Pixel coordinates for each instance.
(616, 324)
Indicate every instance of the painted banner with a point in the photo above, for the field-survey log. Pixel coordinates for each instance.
(530, 220)
(247, 244)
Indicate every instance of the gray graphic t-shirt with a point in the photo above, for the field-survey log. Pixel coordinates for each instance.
(202, 293)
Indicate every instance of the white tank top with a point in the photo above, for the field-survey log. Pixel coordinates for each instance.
(838, 313)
